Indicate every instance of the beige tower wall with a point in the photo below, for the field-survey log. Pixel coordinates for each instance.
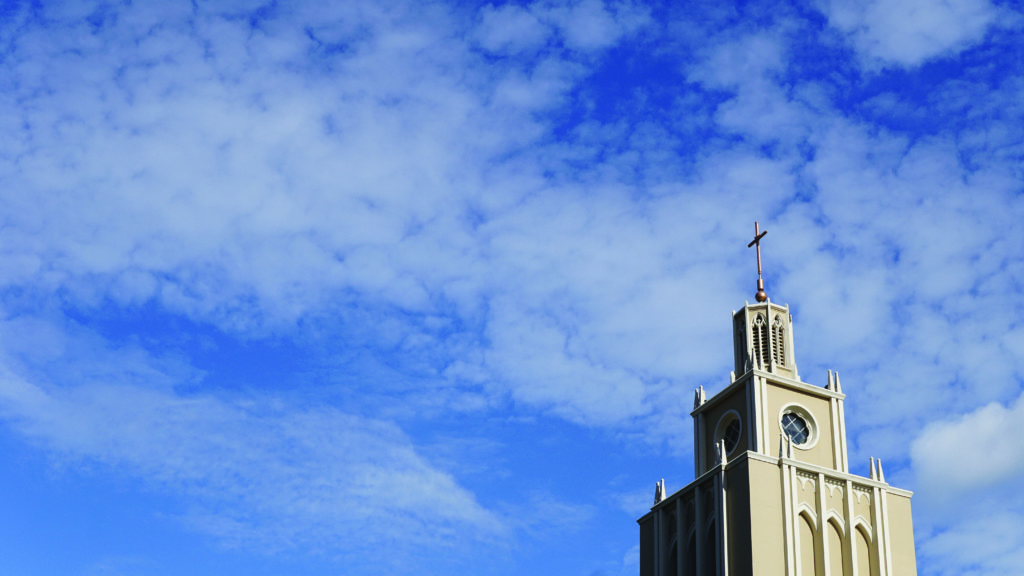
(647, 546)
(740, 536)
(768, 546)
(821, 453)
(901, 535)
(734, 400)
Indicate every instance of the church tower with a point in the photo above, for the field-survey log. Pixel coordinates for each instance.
(773, 494)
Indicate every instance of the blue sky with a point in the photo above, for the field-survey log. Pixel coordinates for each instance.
(374, 287)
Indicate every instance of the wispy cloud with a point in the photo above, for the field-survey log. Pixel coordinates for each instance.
(463, 211)
(264, 472)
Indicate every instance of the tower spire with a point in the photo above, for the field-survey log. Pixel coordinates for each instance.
(760, 296)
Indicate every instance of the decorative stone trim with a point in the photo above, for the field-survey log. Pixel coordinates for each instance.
(834, 484)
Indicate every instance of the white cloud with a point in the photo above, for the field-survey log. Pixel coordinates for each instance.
(588, 24)
(510, 28)
(544, 87)
(732, 61)
(761, 107)
(367, 165)
(246, 203)
(584, 26)
(885, 261)
(631, 560)
(987, 541)
(909, 32)
(969, 470)
(895, 242)
(973, 452)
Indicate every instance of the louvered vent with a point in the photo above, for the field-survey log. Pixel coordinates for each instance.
(778, 342)
(760, 336)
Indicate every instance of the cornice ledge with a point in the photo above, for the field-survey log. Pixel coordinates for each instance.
(831, 473)
(797, 384)
(773, 378)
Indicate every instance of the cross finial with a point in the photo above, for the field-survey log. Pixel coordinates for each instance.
(761, 296)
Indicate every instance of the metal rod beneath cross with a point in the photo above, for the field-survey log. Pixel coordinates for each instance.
(760, 296)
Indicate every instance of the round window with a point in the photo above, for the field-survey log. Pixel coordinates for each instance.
(732, 435)
(728, 430)
(796, 428)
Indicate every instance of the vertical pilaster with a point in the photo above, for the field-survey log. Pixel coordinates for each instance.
(837, 449)
(842, 433)
(850, 561)
(680, 537)
(762, 384)
(794, 497)
(756, 418)
(876, 511)
(885, 532)
(723, 520)
(658, 571)
(698, 452)
(752, 424)
(787, 517)
(821, 539)
(698, 525)
(792, 349)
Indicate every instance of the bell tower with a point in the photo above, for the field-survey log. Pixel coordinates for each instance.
(773, 494)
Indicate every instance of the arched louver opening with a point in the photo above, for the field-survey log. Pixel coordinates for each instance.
(760, 335)
(778, 341)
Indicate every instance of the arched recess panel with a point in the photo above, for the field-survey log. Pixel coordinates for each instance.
(711, 550)
(669, 548)
(673, 560)
(864, 563)
(835, 550)
(690, 562)
(806, 542)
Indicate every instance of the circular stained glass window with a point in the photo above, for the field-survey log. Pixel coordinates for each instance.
(732, 435)
(796, 428)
